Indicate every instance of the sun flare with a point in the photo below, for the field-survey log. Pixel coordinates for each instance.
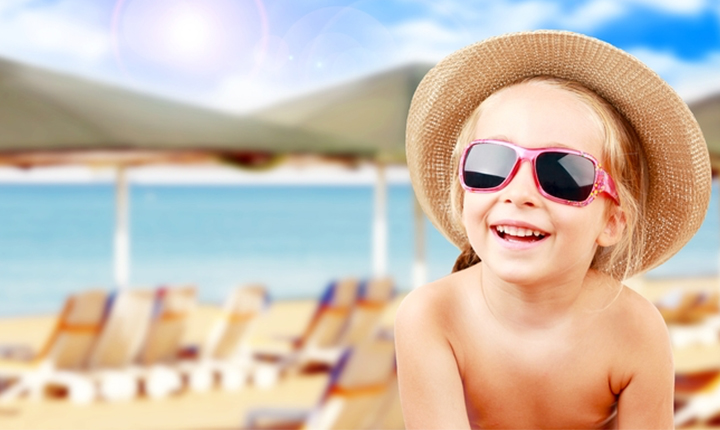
(194, 41)
(188, 33)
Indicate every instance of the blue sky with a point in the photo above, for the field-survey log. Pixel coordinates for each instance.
(240, 54)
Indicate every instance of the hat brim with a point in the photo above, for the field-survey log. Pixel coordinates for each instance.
(677, 156)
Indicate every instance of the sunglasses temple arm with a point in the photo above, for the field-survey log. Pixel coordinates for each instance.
(608, 186)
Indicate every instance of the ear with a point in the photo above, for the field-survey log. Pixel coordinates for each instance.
(614, 227)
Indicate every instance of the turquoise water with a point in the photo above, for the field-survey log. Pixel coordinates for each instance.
(55, 239)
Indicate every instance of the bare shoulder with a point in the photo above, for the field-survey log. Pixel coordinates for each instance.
(640, 339)
(431, 388)
(639, 319)
(632, 320)
(637, 346)
(429, 305)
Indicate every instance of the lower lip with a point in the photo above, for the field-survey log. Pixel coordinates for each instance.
(517, 245)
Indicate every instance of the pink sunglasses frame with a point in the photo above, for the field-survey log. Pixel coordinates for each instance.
(603, 183)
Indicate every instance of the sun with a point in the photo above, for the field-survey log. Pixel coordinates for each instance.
(187, 33)
(197, 39)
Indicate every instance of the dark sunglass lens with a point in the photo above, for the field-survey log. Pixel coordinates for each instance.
(487, 165)
(565, 176)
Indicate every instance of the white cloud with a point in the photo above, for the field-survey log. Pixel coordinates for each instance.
(429, 29)
(458, 25)
(10, 5)
(504, 17)
(47, 33)
(432, 39)
(75, 36)
(674, 6)
(591, 15)
(63, 30)
(478, 15)
(692, 80)
(426, 40)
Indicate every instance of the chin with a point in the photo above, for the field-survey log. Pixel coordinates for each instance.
(520, 278)
(516, 273)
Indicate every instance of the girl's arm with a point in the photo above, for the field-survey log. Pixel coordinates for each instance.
(646, 400)
(431, 391)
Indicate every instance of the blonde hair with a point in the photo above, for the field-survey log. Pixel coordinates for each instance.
(622, 158)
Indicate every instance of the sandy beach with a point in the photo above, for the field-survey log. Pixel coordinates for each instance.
(218, 409)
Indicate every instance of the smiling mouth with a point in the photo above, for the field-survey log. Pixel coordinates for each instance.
(519, 234)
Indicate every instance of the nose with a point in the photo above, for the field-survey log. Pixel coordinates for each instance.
(522, 190)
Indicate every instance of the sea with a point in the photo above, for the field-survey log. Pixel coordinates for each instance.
(56, 239)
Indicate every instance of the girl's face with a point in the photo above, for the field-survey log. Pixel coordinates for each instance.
(501, 225)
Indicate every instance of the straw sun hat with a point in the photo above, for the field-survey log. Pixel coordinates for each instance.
(677, 157)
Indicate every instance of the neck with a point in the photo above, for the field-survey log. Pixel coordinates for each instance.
(541, 305)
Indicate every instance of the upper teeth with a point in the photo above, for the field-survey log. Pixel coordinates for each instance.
(517, 231)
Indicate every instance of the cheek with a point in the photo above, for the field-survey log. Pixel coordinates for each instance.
(588, 224)
(475, 208)
(468, 208)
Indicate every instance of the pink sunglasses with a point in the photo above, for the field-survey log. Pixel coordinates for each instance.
(562, 175)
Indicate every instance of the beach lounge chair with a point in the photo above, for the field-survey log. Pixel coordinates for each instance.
(111, 359)
(323, 331)
(356, 396)
(365, 315)
(701, 405)
(705, 332)
(225, 356)
(679, 306)
(159, 355)
(693, 317)
(374, 297)
(389, 415)
(98, 367)
(66, 349)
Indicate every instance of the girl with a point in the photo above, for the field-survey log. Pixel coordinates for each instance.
(559, 165)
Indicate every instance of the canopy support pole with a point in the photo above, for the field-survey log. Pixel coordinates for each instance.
(380, 230)
(122, 230)
(419, 273)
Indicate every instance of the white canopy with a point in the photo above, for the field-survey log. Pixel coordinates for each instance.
(50, 118)
(372, 112)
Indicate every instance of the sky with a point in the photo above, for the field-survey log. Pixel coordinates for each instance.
(241, 55)
(238, 55)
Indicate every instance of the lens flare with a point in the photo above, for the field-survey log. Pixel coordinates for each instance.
(188, 39)
(188, 34)
(337, 42)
